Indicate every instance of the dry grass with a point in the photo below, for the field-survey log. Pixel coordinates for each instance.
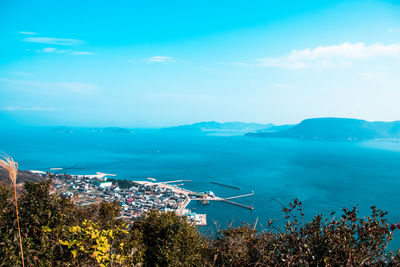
(8, 163)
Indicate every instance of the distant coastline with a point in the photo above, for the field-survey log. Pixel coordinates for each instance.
(336, 129)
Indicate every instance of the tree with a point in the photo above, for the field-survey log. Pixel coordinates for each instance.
(169, 240)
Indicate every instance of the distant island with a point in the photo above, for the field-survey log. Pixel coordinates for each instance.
(107, 130)
(336, 129)
(330, 128)
(222, 127)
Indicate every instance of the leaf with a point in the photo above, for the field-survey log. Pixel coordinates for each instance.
(74, 253)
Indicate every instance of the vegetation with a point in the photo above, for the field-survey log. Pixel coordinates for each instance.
(52, 231)
(23, 176)
(11, 167)
(57, 232)
(336, 129)
(122, 183)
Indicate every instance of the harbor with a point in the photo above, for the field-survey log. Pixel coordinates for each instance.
(138, 197)
(226, 185)
(204, 197)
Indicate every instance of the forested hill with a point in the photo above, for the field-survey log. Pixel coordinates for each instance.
(337, 129)
(23, 176)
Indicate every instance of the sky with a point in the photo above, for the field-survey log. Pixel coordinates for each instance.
(160, 63)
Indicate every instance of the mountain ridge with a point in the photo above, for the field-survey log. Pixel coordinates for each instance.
(332, 128)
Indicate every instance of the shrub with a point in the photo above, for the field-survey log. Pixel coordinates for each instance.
(345, 241)
(57, 232)
(169, 240)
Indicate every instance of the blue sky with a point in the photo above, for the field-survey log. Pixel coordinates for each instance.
(157, 63)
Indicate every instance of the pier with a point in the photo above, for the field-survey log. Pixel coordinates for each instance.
(226, 185)
(203, 197)
(246, 195)
(237, 204)
(171, 182)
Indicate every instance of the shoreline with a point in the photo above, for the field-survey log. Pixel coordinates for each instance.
(175, 189)
(199, 219)
(135, 199)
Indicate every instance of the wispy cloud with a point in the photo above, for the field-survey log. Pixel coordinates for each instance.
(68, 51)
(20, 73)
(328, 56)
(27, 33)
(159, 59)
(72, 87)
(77, 87)
(394, 30)
(17, 108)
(181, 97)
(369, 76)
(47, 50)
(244, 64)
(284, 85)
(74, 53)
(54, 41)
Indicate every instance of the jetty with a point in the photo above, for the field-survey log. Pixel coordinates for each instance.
(226, 185)
(205, 199)
(171, 182)
(246, 195)
(237, 204)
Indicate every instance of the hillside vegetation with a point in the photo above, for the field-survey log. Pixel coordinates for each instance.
(23, 176)
(336, 129)
(57, 232)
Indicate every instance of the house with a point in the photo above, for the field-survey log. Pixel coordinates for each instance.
(105, 184)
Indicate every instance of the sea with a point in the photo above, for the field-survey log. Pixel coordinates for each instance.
(325, 176)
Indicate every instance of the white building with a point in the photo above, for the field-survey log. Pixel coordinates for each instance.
(105, 184)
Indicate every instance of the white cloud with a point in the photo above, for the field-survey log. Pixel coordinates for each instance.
(334, 55)
(284, 85)
(27, 33)
(394, 30)
(72, 87)
(244, 64)
(17, 108)
(20, 73)
(181, 97)
(77, 87)
(48, 50)
(68, 51)
(81, 53)
(160, 59)
(369, 76)
(55, 41)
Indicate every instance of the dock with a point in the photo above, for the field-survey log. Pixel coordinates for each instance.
(203, 197)
(237, 204)
(226, 185)
(205, 200)
(171, 182)
(246, 195)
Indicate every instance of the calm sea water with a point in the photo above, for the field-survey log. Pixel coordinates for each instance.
(325, 176)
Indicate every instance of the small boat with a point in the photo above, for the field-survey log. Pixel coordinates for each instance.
(205, 202)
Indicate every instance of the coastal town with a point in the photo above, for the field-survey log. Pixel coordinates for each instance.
(135, 197)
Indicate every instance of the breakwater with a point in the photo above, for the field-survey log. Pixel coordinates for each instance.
(226, 185)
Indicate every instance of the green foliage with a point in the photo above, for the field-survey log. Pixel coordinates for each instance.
(346, 241)
(88, 243)
(123, 183)
(46, 219)
(57, 232)
(236, 246)
(169, 240)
